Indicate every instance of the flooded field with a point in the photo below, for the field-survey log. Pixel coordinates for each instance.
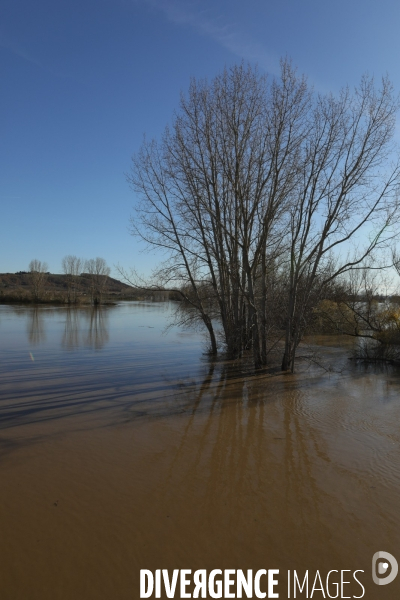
(123, 448)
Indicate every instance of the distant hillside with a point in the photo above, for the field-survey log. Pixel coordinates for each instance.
(17, 287)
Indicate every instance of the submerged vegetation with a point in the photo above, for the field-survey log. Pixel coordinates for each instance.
(359, 311)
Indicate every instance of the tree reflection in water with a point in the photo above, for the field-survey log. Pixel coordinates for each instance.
(288, 469)
(35, 326)
(97, 334)
(85, 327)
(72, 329)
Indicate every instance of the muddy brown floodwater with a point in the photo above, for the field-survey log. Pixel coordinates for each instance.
(123, 448)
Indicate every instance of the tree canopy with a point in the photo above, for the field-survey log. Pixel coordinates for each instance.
(261, 193)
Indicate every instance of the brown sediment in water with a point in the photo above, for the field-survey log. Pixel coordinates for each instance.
(102, 476)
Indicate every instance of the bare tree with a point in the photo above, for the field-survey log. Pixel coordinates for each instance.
(347, 196)
(72, 267)
(38, 275)
(214, 191)
(98, 272)
(253, 193)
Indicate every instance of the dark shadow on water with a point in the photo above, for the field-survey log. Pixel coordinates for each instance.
(124, 394)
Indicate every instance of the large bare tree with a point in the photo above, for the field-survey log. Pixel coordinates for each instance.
(214, 191)
(253, 192)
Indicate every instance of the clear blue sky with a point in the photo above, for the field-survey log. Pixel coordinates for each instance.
(81, 82)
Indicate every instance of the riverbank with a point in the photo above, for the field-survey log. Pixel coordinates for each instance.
(57, 289)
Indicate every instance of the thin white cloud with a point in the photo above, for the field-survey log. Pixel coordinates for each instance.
(208, 23)
(19, 51)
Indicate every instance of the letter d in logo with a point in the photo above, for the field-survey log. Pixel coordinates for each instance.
(383, 567)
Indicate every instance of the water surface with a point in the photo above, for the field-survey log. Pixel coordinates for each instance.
(123, 447)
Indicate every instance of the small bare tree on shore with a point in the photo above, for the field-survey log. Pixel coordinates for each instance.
(72, 267)
(38, 274)
(98, 272)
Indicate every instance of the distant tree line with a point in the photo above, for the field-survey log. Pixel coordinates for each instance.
(95, 270)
